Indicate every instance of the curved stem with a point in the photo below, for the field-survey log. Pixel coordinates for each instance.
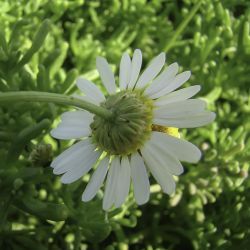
(36, 96)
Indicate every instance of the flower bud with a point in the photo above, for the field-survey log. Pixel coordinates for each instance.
(41, 155)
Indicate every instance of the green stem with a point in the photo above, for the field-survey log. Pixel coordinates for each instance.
(36, 96)
(182, 26)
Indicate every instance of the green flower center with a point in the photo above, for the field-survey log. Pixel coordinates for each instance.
(130, 126)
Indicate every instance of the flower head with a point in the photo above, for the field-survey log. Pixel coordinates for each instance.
(140, 137)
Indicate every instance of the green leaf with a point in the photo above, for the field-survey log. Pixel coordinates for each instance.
(36, 44)
(92, 221)
(44, 210)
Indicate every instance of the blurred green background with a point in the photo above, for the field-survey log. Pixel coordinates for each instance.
(211, 206)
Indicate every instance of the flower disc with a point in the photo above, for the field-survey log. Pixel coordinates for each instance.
(130, 125)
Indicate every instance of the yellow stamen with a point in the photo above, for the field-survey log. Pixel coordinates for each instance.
(168, 130)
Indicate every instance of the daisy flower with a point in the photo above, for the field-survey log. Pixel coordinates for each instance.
(140, 138)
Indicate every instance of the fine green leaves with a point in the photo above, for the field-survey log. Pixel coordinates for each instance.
(36, 44)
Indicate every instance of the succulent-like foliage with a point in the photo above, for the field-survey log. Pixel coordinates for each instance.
(45, 45)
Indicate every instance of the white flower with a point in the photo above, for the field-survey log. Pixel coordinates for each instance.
(151, 105)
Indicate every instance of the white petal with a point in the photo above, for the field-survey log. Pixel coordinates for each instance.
(70, 153)
(74, 125)
(163, 80)
(178, 95)
(162, 176)
(166, 159)
(111, 184)
(125, 71)
(90, 90)
(77, 116)
(189, 121)
(76, 159)
(136, 67)
(179, 109)
(72, 132)
(96, 180)
(123, 182)
(183, 150)
(151, 71)
(106, 74)
(83, 168)
(140, 179)
(176, 83)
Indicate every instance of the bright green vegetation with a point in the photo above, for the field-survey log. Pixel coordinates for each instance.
(211, 206)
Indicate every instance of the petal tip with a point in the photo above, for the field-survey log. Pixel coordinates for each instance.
(198, 157)
(80, 81)
(142, 202)
(85, 198)
(188, 73)
(181, 171)
(53, 132)
(163, 54)
(100, 59)
(171, 191)
(137, 51)
(162, 57)
(65, 181)
(53, 164)
(211, 118)
(106, 207)
(55, 171)
(213, 115)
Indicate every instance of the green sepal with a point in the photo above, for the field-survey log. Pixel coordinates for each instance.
(130, 125)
